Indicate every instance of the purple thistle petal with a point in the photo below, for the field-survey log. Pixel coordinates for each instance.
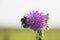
(36, 20)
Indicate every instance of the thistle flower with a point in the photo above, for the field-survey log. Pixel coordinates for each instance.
(35, 20)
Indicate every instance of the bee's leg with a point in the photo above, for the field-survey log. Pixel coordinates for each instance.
(24, 26)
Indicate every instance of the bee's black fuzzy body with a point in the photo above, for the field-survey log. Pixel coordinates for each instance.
(23, 20)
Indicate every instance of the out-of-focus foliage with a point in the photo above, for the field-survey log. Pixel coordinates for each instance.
(52, 34)
(23, 34)
(17, 34)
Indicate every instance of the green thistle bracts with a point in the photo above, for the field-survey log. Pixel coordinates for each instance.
(40, 36)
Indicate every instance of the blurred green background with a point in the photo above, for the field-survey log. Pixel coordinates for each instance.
(52, 34)
(23, 34)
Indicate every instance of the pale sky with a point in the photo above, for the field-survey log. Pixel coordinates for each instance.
(11, 11)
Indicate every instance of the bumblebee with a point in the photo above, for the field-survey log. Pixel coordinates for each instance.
(23, 20)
